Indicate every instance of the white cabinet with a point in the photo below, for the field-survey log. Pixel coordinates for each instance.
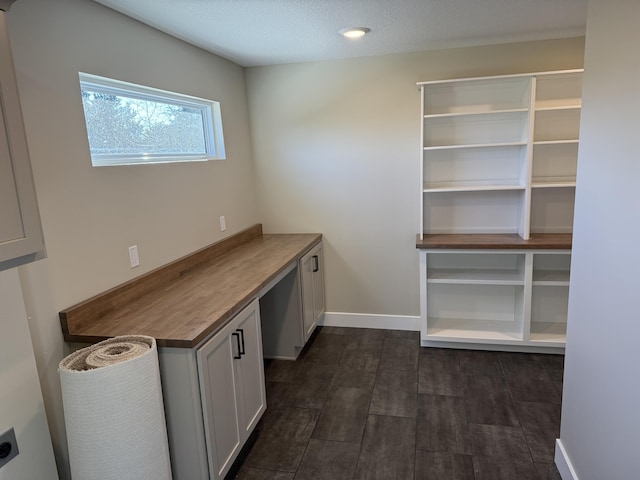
(499, 153)
(231, 373)
(313, 296)
(292, 306)
(500, 297)
(214, 396)
(498, 162)
(20, 231)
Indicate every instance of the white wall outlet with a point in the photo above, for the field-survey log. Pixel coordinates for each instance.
(134, 259)
(223, 223)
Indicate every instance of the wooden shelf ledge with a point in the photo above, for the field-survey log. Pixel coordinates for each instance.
(539, 241)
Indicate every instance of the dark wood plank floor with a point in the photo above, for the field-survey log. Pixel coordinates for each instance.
(371, 404)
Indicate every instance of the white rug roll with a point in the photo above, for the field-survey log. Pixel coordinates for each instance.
(114, 413)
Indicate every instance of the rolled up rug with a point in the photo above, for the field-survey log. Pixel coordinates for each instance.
(114, 412)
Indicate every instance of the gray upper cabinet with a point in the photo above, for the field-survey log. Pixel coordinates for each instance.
(21, 239)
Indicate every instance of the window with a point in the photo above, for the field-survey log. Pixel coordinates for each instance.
(132, 124)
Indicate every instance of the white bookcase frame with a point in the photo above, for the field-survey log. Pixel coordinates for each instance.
(498, 153)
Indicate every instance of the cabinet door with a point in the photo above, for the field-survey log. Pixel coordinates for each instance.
(217, 373)
(20, 231)
(319, 302)
(250, 370)
(312, 280)
(307, 267)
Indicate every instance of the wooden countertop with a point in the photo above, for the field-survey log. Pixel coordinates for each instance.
(542, 241)
(185, 301)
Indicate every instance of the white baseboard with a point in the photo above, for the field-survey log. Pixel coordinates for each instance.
(370, 320)
(563, 463)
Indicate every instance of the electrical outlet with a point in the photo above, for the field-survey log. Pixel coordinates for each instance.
(223, 223)
(8, 447)
(134, 259)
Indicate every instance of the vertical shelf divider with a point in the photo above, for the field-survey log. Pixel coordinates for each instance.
(422, 160)
(525, 225)
(528, 293)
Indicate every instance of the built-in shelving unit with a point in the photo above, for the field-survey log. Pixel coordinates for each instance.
(499, 152)
(498, 157)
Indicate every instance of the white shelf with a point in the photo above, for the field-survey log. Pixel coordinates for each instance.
(556, 124)
(450, 329)
(552, 210)
(554, 164)
(560, 89)
(558, 107)
(477, 166)
(470, 187)
(556, 142)
(554, 182)
(485, 211)
(477, 145)
(548, 332)
(479, 96)
(472, 129)
(475, 276)
(478, 112)
(558, 278)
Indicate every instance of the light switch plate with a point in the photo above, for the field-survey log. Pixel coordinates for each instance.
(134, 259)
(8, 447)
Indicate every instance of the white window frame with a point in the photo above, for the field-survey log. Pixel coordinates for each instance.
(212, 121)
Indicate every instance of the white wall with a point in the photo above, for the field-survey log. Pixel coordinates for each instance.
(600, 420)
(20, 395)
(91, 215)
(337, 148)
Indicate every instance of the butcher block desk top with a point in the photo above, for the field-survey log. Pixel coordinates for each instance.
(182, 303)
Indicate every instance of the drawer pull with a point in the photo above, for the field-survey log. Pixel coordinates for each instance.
(240, 352)
(316, 265)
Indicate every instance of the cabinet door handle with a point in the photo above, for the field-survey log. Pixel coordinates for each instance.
(242, 339)
(240, 352)
(316, 265)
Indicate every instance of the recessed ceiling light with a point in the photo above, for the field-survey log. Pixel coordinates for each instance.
(355, 32)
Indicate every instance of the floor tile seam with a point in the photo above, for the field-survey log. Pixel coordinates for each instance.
(296, 407)
(447, 397)
(390, 415)
(366, 421)
(526, 438)
(306, 447)
(431, 450)
(515, 375)
(542, 424)
(469, 422)
(396, 369)
(473, 443)
(306, 407)
(322, 411)
(442, 394)
(431, 370)
(333, 440)
(495, 425)
(364, 432)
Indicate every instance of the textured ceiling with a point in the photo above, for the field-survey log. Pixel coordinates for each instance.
(266, 32)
